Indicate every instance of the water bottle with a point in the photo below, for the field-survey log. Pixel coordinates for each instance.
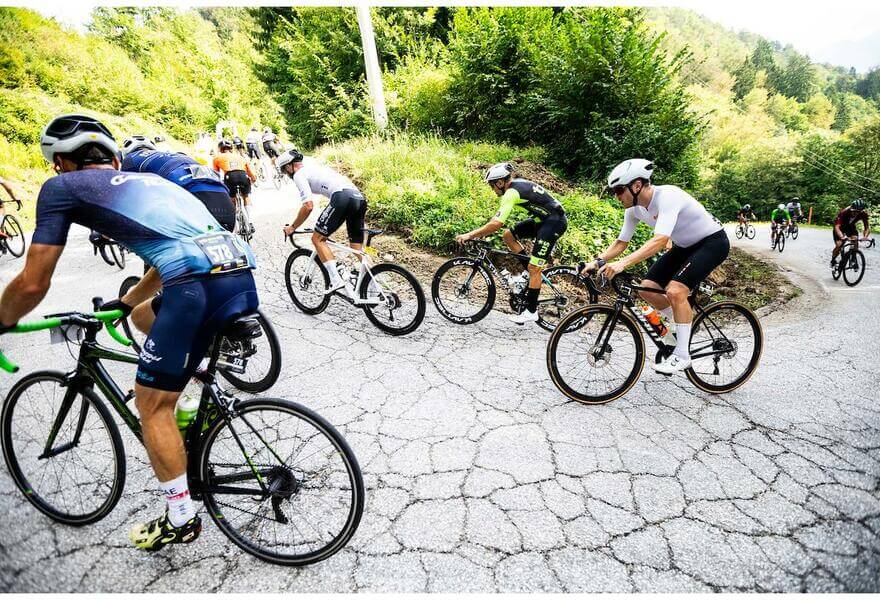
(654, 319)
(185, 412)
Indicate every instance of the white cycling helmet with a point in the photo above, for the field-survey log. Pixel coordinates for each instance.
(630, 170)
(499, 171)
(136, 142)
(291, 156)
(69, 133)
(781, 207)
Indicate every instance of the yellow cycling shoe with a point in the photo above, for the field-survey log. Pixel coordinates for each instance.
(158, 533)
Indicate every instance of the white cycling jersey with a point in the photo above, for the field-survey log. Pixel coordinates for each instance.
(672, 212)
(254, 137)
(793, 208)
(268, 137)
(315, 178)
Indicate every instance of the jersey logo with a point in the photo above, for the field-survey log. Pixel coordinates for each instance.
(150, 180)
(538, 189)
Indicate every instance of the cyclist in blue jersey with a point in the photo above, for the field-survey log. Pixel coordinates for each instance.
(205, 273)
(140, 155)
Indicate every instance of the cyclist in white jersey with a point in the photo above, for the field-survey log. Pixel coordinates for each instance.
(347, 204)
(699, 244)
(794, 209)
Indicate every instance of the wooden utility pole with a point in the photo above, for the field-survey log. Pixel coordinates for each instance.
(371, 62)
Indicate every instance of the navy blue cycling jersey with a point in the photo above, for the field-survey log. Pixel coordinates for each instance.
(157, 220)
(176, 167)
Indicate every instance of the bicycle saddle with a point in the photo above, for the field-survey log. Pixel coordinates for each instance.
(244, 327)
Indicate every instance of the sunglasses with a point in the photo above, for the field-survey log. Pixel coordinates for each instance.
(617, 190)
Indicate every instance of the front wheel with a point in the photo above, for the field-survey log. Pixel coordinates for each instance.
(463, 290)
(795, 231)
(260, 357)
(595, 354)
(562, 290)
(307, 282)
(78, 479)
(780, 242)
(307, 491)
(14, 236)
(853, 267)
(750, 232)
(397, 302)
(725, 347)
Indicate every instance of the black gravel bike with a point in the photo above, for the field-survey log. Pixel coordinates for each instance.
(464, 288)
(745, 230)
(850, 262)
(596, 353)
(13, 242)
(276, 478)
(778, 238)
(252, 363)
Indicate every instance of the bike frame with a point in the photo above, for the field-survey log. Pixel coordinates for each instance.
(483, 256)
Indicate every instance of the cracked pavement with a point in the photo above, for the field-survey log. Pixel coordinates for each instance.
(482, 477)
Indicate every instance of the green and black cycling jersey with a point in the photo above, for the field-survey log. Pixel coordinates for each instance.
(780, 216)
(531, 197)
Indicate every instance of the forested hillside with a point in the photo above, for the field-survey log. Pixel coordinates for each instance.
(733, 117)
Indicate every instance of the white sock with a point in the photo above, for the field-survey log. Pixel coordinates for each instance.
(332, 271)
(180, 506)
(682, 340)
(667, 314)
(247, 211)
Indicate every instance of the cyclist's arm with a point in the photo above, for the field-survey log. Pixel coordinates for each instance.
(7, 187)
(250, 173)
(145, 289)
(508, 201)
(866, 230)
(838, 222)
(217, 166)
(29, 287)
(648, 249)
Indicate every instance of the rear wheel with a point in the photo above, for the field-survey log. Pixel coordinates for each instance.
(739, 232)
(463, 290)
(563, 290)
(401, 301)
(308, 491)
(853, 267)
(261, 356)
(14, 236)
(80, 479)
(307, 282)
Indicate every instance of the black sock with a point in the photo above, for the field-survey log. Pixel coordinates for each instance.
(532, 299)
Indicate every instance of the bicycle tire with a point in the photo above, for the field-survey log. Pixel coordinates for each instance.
(852, 275)
(565, 327)
(326, 430)
(129, 330)
(561, 273)
(780, 246)
(758, 347)
(309, 309)
(13, 231)
(750, 232)
(117, 254)
(371, 310)
(23, 482)
(102, 250)
(271, 376)
(795, 232)
(476, 267)
(739, 232)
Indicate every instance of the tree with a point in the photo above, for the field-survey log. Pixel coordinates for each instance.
(798, 79)
(869, 86)
(745, 77)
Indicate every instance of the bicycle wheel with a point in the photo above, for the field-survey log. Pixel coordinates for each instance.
(401, 301)
(105, 254)
(585, 369)
(562, 291)
(726, 345)
(463, 290)
(308, 491)
(739, 232)
(750, 232)
(780, 241)
(795, 231)
(82, 478)
(262, 355)
(307, 281)
(853, 267)
(117, 255)
(15, 241)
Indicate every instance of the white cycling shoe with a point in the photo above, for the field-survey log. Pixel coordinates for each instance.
(671, 364)
(342, 287)
(525, 317)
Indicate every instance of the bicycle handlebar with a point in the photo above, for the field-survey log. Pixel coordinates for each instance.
(289, 236)
(106, 317)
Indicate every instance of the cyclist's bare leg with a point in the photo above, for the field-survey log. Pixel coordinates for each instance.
(677, 294)
(512, 243)
(142, 316)
(658, 301)
(322, 247)
(161, 437)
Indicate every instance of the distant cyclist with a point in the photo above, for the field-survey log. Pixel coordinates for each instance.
(545, 224)
(270, 145)
(238, 144)
(237, 174)
(253, 141)
(794, 209)
(845, 225)
(778, 217)
(699, 245)
(347, 205)
(173, 232)
(141, 156)
(6, 186)
(745, 214)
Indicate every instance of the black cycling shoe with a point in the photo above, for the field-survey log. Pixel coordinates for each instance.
(158, 533)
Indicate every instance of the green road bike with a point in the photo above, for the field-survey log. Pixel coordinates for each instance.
(276, 478)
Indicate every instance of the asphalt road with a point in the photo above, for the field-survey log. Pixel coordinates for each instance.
(482, 477)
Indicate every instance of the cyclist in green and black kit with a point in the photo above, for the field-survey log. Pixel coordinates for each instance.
(546, 223)
(779, 216)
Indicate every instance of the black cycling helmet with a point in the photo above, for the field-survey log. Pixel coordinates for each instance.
(858, 204)
(747, 207)
(225, 145)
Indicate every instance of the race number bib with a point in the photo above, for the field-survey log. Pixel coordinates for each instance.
(223, 251)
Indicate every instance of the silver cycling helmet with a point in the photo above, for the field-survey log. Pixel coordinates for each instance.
(291, 156)
(68, 133)
(136, 142)
(499, 171)
(781, 207)
(630, 170)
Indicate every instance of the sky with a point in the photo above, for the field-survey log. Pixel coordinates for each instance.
(841, 32)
